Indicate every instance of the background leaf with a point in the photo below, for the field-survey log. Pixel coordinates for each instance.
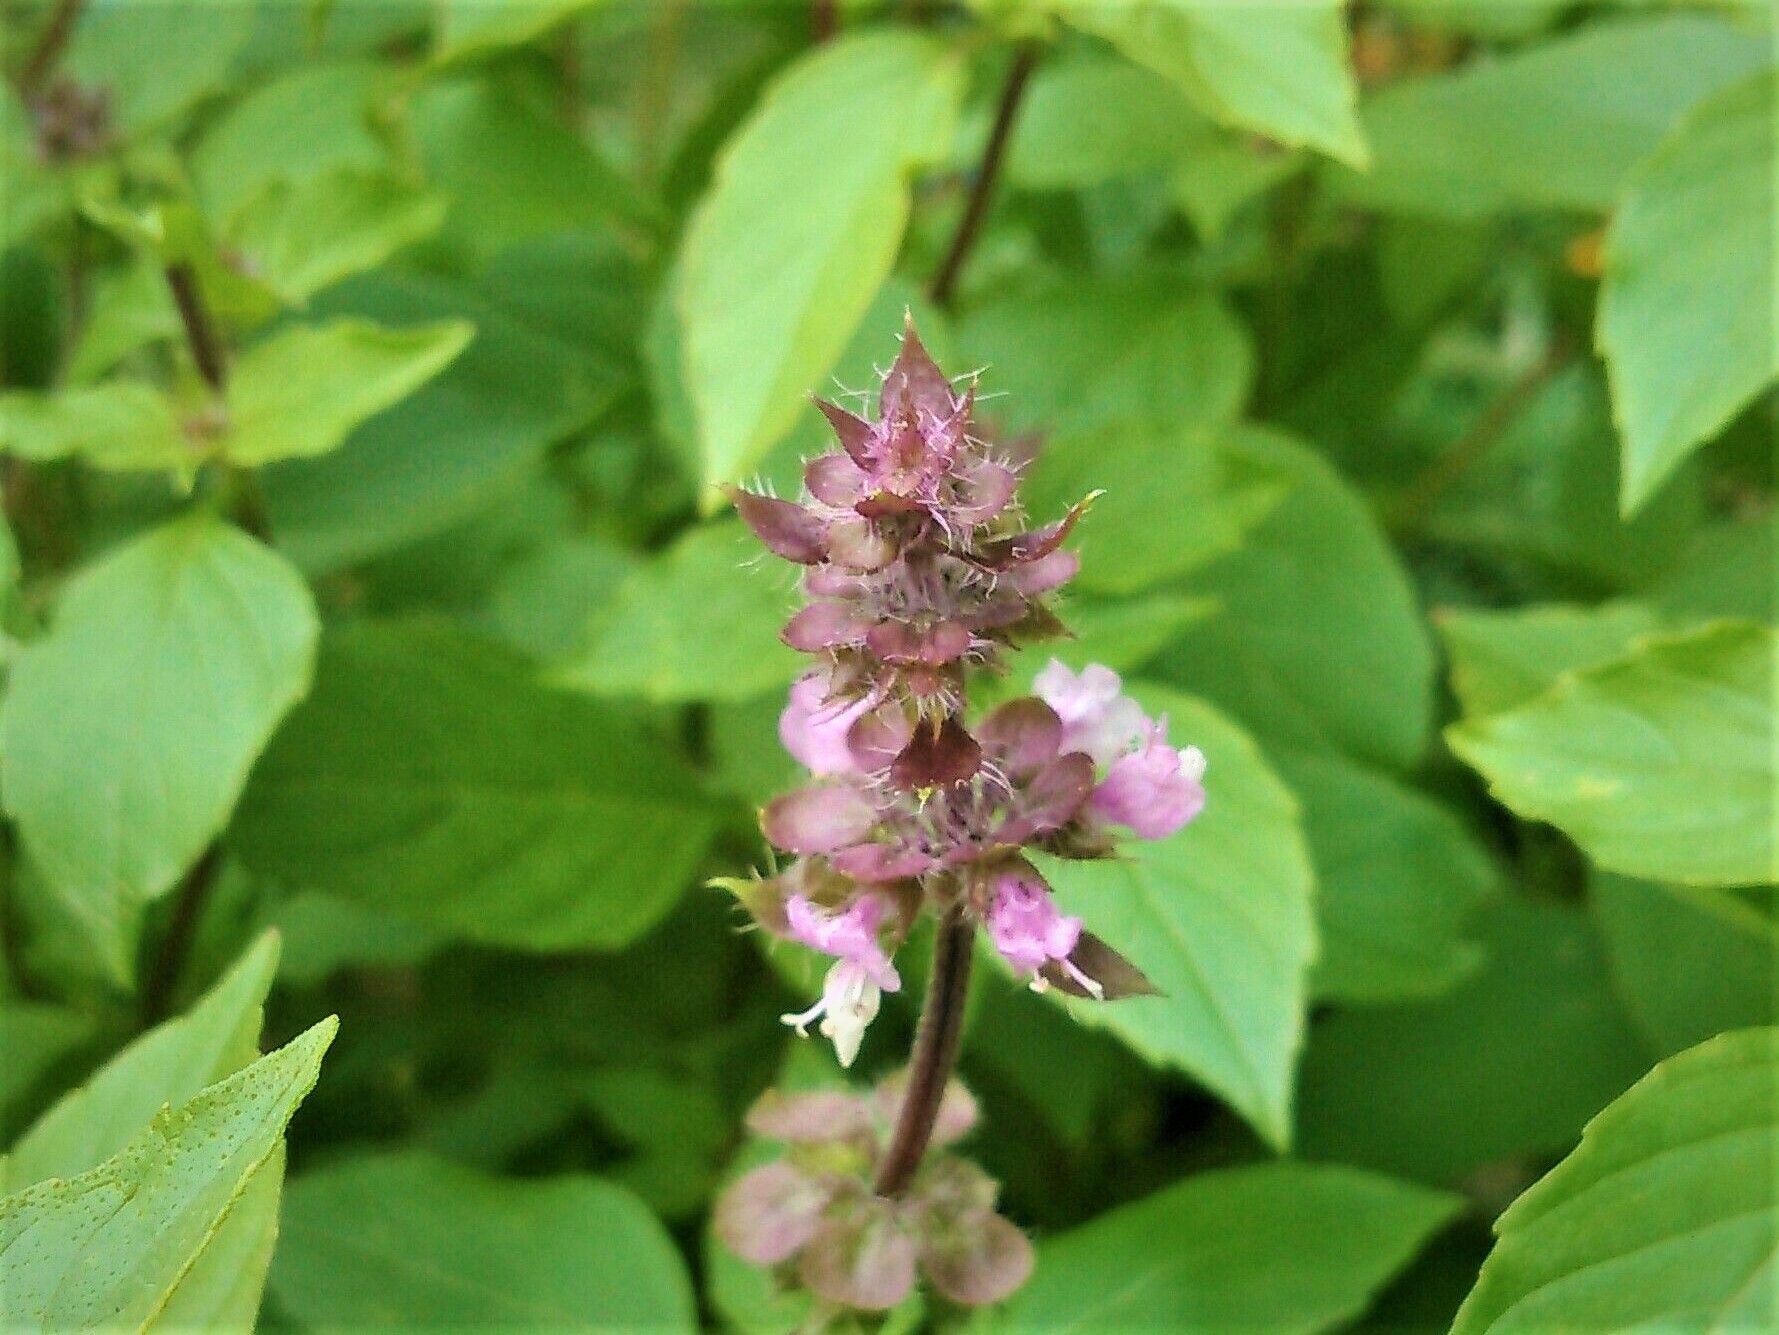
(128, 730)
(1687, 327)
(1287, 1247)
(1218, 918)
(462, 794)
(368, 1240)
(800, 228)
(1659, 764)
(1664, 1213)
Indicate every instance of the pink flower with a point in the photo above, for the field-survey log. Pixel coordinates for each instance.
(1028, 931)
(849, 935)
(813, 729)
(853, 988)
(1155, 790)
(1097, 717)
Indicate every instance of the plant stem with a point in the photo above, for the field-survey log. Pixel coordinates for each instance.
(175, 946)
(935, 1052)
(56, 33)
(1417, 499)
(824, 20)
(200, 331)
(976, 208)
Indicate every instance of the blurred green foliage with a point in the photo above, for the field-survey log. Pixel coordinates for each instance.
(374, 645)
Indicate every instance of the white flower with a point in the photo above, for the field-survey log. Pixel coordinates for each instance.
(849, 1002)
(1097, 717)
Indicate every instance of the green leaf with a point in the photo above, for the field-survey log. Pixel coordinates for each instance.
(1287, 1248)
(154, 62)
(301, 391)
(1689, 963)
(513, 172)
(475, 29)
(1152, 476)
(1557, 125)
(800, 228)
(1688, 303)
(1503, 659)
(1726, 572)
(128, 729)
(699, 622)
(38, 1037)
(1662, 1219)
(1547, 493)
(323, 935)
(439, 454)
(116, 1245)
(313, 121)
(431, 776)
(1510, 1062)
(1659, 764)
(1090, 352)
(404, 1239)
(165, 1067)
(301, 238)
(1280, 69)
(1320, 644)
(123, 425)
(1398, 878)
(168, 1065)
(1219, 918)
(1086, 121)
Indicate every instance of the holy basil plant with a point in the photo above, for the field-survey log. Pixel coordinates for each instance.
(858, 667)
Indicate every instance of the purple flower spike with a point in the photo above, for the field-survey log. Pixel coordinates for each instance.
(1155, 790)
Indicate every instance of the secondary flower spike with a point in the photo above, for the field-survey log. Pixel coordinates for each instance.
(920, 565)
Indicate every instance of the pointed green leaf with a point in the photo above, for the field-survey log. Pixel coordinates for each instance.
(1287, 1248)
(122, 425)
(302, 237)
(1219, 918)
(1280, 69)
(1688, 305)
(1503, 659)
(1664, 1218)
(405, 1239)
(1659, 764)
(800, 228)
(115, 1245)
(128, 729)
(168, 1065)
(299, 392)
